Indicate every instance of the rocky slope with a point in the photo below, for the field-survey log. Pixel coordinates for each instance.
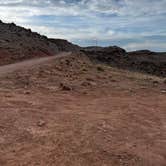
(142, 61)
(18, 43)
(149, 62)
(64, 45)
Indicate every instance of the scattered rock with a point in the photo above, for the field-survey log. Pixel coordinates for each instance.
(164, 81)
(41, 123)
(67, 62)
(131, 91)
(86, 83)
(27, 92)
(65, 87)
(113, 80)
(163, 91)
(89, 79)
(8, 95)
(99, 68)
(155, 82)
(85, 92)
(84, 69)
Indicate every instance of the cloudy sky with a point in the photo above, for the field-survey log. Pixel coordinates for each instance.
(131, 24)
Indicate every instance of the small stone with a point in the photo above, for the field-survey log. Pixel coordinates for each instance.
(164, 82)
(84, 92)
(155, 82)
(89, 79)
(65, 87)
(163, 91)
(8, 96)
(99, 68)
(27, 92)
(41, 123)
(86, 83)
(113, 80)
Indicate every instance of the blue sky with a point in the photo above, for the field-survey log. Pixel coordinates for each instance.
(131, 24)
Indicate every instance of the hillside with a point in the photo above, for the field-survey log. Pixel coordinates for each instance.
(142, 61)
(64, 45)
(18, 43)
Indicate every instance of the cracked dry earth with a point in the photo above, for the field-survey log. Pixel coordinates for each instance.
(108, 118)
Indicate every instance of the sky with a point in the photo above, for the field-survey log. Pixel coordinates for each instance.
(131, 24)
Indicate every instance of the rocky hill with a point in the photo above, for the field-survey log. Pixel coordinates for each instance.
(64, 45)
(148, 61)
(143, 61)
(18, 43)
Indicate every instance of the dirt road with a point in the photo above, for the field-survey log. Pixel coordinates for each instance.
(29, 63)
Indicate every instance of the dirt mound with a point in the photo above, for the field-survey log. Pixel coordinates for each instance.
(143, 61)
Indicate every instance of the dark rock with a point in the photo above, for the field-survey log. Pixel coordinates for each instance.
(88, 83)
(155, 82)
(99, 68)
(41, 123)
(163, 91)
(164, 81)
(65, 87)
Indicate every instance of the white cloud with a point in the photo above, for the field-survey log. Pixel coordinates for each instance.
(151, 45)
(131, 19)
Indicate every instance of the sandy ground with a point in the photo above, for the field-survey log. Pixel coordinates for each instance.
(105, 117)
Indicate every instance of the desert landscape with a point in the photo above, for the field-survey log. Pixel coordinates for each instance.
(65, 105)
